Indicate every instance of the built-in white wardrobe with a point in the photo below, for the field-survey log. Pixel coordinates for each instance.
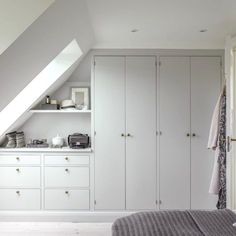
(125, 126)
(189, 88)
(151, 119)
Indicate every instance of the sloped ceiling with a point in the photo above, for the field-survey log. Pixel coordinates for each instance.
(16, 16)
(53, 74)
(41, 42)
(171, 24)
(34, 49)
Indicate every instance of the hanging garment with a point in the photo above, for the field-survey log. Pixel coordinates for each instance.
(217, 142)
(221, 204)
(214, 130)
(213, 144)
(215, 180)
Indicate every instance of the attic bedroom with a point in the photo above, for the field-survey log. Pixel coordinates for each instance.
(117, 118)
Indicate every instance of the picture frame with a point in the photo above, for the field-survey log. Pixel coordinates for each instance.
(80, 96)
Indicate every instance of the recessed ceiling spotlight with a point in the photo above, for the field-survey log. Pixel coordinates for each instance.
(134, 30)
(203, 30)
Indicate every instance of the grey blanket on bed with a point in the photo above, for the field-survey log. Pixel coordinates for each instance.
(177, 223)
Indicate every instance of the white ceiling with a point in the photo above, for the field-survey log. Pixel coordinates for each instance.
(162, 23)
(16, 16)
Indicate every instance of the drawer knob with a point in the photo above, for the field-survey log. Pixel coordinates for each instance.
(17, 158)
(67, 192)
(18, 170)
(66, 170)
(18, 192)
(67, 158)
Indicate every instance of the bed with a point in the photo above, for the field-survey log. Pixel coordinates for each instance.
(177, 223)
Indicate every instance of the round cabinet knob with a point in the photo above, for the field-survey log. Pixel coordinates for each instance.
(67, 158)
(194, 135)
(18, 192)
(66, 192)
(18, 170)
(129, 135)
(17, 158)
(122, 135)
(188, 134)
(66, 170)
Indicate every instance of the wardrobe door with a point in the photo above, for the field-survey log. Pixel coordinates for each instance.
(205, 90)
(109, 118)
(141, 133)
(175, 129)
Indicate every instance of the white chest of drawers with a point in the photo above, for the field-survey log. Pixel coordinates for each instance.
(45, 181)
(20, 177)
(67, 179)
(20, 181)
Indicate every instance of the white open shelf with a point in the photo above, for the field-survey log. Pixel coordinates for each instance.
(60, 111)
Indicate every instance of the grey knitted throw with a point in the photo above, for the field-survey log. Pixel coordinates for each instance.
(177, 223)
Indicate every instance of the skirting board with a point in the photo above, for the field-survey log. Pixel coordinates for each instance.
(60, 216)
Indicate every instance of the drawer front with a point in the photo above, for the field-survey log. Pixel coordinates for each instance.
(66, 177)
(19, 160)
(66, 160)
(25, 177)
(19, 199)
(66, 199)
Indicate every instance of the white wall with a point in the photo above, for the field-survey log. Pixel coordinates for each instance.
(41, 42)
(64, 92)
(41, 126)
(83, 71)
(16, 17)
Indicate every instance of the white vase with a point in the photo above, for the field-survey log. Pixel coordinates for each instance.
(57, 141)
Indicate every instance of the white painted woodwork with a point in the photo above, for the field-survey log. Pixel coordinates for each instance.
(174, 126)
(205, 90)
(66, 160)
(20, 180)
(60, 111)
(66, 177)
(72, 199)
(126, 173)
(19, 199)
(19, 160)
(141, 125)
(16, 177)
(39, 151)
(109, 82)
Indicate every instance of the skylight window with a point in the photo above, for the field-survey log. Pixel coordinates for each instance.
(44, 80)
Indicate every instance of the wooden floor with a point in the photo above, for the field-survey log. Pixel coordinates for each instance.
(54, 229)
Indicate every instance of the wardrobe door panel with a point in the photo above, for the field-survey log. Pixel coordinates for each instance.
(174, 139)
(205, 89)
(141, 133)
(109, 126)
